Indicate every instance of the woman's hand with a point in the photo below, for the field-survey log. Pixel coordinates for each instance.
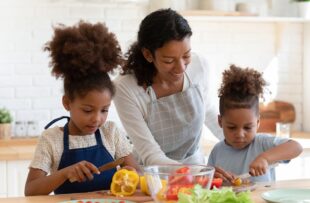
(225, 175)
(80, 171)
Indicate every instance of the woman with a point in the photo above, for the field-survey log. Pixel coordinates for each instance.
(164, 95)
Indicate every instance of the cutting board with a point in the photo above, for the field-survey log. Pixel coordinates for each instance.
(137, 197)
(273, 112)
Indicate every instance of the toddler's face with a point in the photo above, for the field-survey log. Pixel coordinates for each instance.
(88, 113)
(239, 127)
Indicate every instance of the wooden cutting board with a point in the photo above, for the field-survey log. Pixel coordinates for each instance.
(273, 112)
(137, 197)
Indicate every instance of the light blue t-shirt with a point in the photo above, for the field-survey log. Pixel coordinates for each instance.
(238, 160)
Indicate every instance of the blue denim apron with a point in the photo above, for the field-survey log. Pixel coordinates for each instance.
(97, 155)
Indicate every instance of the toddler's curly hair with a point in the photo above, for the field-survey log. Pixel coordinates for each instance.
(241, 88)
(83, 55)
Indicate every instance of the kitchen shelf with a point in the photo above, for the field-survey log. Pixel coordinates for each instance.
(222, 16)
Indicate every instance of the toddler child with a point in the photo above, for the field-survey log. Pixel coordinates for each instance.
(243, 150)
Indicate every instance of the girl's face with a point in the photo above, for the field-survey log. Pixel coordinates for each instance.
(88, 113)
(172, 59)
(239, 127)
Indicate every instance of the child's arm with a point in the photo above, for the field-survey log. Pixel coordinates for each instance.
(285, 151)
(38, 183)
(131, 164)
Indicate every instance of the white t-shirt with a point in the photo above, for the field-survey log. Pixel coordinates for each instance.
(131, 103)
(50, 146)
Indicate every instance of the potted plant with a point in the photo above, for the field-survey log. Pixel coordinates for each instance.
(303, 8)
(5, 124)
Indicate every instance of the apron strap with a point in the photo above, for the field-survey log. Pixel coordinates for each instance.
(55, 120)
(98, 137)
(66, 137)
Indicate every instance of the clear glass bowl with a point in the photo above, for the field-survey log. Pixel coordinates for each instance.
(166, 181)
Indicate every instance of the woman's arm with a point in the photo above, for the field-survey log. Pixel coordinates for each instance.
(202, 72)
(130, 113)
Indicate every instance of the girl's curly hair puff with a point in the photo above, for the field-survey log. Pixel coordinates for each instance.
(83, 55)
(241, 88)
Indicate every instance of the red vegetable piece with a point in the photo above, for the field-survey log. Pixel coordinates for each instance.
(216, 182)
(202, 180)
(181, 179)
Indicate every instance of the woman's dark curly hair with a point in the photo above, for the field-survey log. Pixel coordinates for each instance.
(241, 88)
(156, 29)
(83, 55)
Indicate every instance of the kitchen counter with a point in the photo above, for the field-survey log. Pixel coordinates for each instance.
(23, 148)
(17, 149)
(138, 197)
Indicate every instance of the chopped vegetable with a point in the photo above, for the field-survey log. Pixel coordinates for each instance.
(216, 182)
(224, 195)
(144, 187)
(237, 182)
(124, 182)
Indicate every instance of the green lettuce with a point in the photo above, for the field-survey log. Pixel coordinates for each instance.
(224, 195)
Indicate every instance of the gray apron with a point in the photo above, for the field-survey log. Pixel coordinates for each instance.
(176, 123)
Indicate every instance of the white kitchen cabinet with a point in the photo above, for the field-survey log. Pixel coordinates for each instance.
(3, 179)
(17, 171)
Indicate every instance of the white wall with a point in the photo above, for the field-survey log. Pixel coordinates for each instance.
(306, 76)
(31, 93)
(274, 47)
(26, 85)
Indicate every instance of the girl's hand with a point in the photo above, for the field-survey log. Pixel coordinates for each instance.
(129, 168)
(259, 166)
(225, 175)
(80, 171)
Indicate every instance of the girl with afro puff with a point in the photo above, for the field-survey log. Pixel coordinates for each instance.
(243, 150)
(67, 158)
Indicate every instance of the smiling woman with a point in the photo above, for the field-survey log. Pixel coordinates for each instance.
(165, 93)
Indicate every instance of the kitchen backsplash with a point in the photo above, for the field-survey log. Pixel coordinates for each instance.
(32, 94)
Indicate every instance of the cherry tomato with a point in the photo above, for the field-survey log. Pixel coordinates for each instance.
(181, 179)
(216, 182)
(202, 180)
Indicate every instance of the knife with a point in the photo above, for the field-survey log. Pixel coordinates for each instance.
(105, 167)
(247, 175)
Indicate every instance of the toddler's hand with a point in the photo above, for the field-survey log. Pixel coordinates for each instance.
(258, 167)
(81, 171)
(225, 175)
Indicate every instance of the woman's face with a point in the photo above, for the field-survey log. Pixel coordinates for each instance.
(239, 126)
(172, 59)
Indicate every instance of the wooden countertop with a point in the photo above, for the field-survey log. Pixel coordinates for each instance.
(17, 149)
(256, 194)
(23, 148)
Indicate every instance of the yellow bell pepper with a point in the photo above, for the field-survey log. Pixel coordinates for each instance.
(124, 182)
(144, 187)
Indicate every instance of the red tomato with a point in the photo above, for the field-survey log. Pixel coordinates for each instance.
(183, 170)
(173, 190)
(216, 182)
(202, 180)
(181, 179)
